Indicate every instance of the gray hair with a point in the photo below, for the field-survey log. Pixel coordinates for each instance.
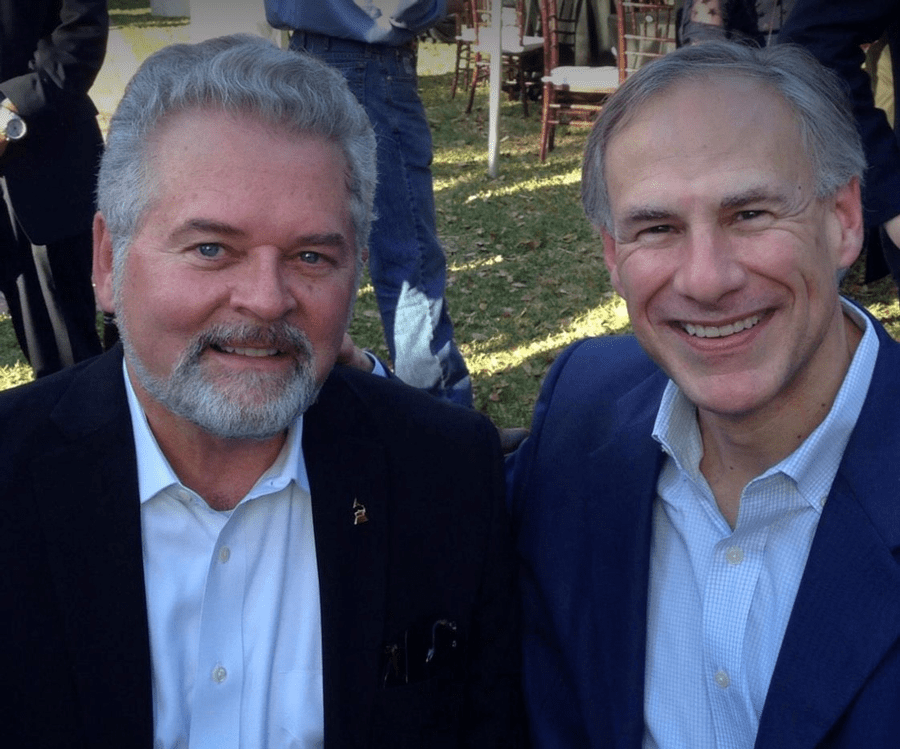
(815, 94)
(238, 74)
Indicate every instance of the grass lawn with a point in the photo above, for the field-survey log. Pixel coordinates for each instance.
(526, 275)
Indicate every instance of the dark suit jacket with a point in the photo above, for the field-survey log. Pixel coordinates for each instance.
(834, 32)
(50, 54)
(582, 489)
(73, 629)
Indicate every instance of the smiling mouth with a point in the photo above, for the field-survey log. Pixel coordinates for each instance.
(713, 331)
(254, 352)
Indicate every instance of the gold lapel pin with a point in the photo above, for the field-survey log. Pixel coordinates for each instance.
(359, 513)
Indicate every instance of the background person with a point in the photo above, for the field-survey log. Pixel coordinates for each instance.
(373, 45)
(835, 32)
(50, 145)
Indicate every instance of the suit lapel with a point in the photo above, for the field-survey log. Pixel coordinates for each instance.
(348, 486)
(86, 487)
(847, 611)
(633, 459)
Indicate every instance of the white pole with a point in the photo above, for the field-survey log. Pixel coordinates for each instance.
(494, 84)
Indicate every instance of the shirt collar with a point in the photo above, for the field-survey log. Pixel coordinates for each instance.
(155, 473)
(814, 463)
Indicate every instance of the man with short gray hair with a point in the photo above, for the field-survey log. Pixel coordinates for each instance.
(706, 510)
(212, 535)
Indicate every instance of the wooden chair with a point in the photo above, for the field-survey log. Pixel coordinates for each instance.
(572, 93)
(647, 30)
(520, 52)
(465, 39)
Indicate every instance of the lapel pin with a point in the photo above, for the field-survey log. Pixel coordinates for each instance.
(359, 513)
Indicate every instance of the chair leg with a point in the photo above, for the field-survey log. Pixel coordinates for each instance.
(521, 81)
(475, 77)
(547, 128)
(456, 70)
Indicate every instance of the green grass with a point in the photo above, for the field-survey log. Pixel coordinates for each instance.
(526, 275)
(136, 15)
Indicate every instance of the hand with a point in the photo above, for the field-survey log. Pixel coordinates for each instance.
(892, 228)
(353, 356)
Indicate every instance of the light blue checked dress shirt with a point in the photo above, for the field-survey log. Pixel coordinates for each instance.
(720, 599)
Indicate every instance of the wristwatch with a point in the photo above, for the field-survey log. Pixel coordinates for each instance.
(12, 127)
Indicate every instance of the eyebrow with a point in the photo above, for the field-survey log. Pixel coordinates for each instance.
(210, 226)
(205, 226)
(643, 214)
(754, 195)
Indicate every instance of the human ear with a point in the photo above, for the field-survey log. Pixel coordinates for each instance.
(610, 257)
(103, 264)
(846, 207)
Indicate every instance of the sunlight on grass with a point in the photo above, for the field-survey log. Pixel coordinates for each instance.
(570, 178)
(494, 354)
(483, 263)
(15, 374)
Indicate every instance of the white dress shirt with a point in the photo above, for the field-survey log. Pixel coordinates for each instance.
(720, 599)
(233, 606)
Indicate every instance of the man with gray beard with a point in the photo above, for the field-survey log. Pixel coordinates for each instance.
(212, 535)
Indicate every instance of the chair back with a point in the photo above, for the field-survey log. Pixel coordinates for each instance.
(512, 19)
(647, 30)
(573, 91)
(559, 23)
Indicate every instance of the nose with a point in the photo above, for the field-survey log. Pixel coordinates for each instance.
(261, 288)
(708, 267)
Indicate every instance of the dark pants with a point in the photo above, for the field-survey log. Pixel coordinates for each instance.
(50, 297)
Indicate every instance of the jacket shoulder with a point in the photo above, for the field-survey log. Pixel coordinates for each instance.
(399, 411)
(596, 371)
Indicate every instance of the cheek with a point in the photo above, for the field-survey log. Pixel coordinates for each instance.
(641, 279)
(326, 309)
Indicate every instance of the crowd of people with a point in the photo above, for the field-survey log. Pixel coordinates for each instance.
(235, 529)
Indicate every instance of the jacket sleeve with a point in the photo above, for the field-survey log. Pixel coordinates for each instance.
(418, 15)
(833, 31)
(64, 64)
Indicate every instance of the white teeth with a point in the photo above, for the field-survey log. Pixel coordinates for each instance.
(250, 351)
(710, 331)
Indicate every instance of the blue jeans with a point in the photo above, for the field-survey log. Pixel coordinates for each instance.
(406, 261)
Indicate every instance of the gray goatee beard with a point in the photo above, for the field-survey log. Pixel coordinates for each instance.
(239, 405)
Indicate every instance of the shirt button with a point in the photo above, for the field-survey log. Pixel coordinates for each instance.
(823, 501)
(734, 555)
(219, 674)
(224, 554)
(722, 679)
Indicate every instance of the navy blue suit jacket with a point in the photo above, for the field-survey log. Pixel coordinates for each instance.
(581, 490)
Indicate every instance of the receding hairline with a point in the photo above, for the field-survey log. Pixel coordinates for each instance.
(698, 79)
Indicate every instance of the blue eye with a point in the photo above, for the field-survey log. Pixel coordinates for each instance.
(310, 257)
(209, 250)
